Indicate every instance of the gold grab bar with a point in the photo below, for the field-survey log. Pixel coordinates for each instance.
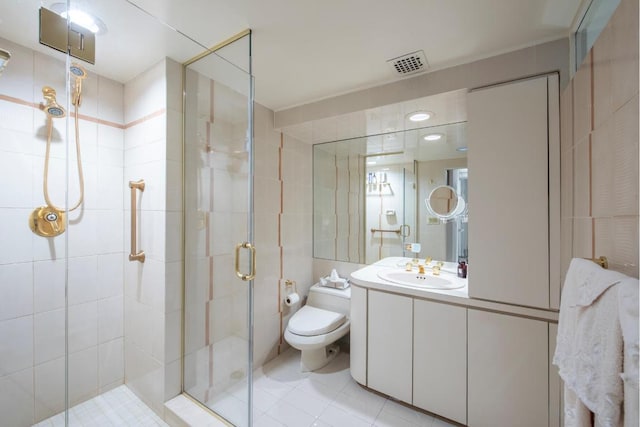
(601, 261)
(135, 255)
(252, 274)
(398, 231)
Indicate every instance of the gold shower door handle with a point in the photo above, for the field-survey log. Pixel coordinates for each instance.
(252, 274)
(135, 255)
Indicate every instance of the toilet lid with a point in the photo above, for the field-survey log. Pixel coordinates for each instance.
(310, 321)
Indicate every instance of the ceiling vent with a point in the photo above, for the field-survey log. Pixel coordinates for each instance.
(411, 63)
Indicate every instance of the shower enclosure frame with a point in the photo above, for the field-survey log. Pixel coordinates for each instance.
(247, 244)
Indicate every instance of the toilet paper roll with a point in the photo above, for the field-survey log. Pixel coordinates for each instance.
(292, 299)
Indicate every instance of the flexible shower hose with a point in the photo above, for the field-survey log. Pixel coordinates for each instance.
(45, 183)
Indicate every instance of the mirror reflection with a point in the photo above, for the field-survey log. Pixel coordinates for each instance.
(374, 194)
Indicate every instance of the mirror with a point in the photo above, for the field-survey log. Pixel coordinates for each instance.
(369, 192)
(445, 203)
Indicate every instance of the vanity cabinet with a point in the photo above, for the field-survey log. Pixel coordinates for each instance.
(390, 344)
(358, 335)
(514, 199)
(440, 359)
(508, 370)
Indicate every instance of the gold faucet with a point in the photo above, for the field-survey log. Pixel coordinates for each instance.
(420, 269)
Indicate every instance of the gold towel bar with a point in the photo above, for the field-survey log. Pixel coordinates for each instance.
(601, 261)
(135, 255)
(398, 231)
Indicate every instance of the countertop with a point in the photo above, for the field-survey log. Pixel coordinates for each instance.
(367, 277)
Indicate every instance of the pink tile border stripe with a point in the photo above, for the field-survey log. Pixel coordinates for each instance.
(142, 119)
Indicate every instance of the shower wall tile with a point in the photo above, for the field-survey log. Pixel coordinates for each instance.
(111, 104)
(83, 279)
(110, 275)
(12, 141)
(110, 190)
(109, 231)
(16, 117)
(83, 375)
(49, 388)
(110, 319)
(17, 183)
(110, 363)
(16, 353)
(16, 404)
(173, 287)
(145, 93)
(83, 326)
(49, 336)
(111, 137)
(48, 285)
(16, 290)
(19, 237)
(83, 238)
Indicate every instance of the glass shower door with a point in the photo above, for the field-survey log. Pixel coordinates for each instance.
(218, 224)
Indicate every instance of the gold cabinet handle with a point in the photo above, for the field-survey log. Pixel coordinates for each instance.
(252, 274)
(135, 255)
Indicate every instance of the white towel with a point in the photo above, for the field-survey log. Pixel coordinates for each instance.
(628, 310)
(589, 345)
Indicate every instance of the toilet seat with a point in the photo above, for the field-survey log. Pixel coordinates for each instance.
(312, 321)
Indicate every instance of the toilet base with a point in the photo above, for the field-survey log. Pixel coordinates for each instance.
(312, 360)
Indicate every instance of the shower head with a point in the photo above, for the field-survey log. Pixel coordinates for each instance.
(78, 71)
(4, 59)
(52, 108)
(80, 74)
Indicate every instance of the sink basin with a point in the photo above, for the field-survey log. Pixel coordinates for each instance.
(413, 278)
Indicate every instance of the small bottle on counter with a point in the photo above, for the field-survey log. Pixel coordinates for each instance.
(462, 269)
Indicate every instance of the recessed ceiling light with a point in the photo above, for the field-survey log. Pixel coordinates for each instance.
(462, 149)
(81, 18)
(371, 163)
(420, 116)
(385, 169)
(432, 137)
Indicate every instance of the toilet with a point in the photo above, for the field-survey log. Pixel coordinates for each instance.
(316, 327)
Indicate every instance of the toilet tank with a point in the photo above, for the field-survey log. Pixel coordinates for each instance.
(337, 300)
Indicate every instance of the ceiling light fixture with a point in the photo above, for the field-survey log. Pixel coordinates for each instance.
(420, 116)
(432, 137)
(371, 163)
(81, 18)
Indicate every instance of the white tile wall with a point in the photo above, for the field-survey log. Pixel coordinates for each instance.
(32, 268)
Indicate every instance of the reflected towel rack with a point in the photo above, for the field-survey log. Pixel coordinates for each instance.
(601, 261)
(398, 231)
(135, 255)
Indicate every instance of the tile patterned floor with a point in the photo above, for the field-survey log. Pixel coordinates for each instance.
(118, 407)
(283, 396)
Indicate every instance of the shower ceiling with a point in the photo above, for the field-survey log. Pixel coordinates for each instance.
(305, 51)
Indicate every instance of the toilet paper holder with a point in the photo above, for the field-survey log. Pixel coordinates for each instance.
(291, 297)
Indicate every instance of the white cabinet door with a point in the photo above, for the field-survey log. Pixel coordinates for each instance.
(508, 162)
(508, 371)
(390, 347)
(440, 359)
(358, 337)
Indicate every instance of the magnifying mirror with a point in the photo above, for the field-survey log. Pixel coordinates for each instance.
(444, 203)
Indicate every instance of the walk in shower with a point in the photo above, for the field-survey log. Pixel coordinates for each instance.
(91, 331)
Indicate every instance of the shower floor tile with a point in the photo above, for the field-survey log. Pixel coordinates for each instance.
(117, 407)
